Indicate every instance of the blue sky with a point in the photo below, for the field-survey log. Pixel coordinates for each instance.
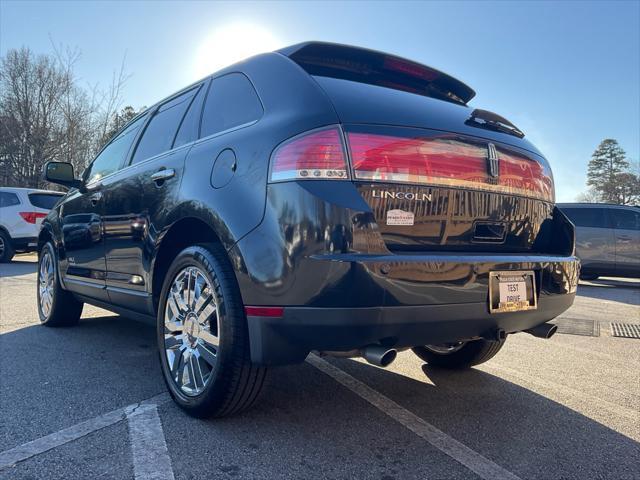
(567, 73)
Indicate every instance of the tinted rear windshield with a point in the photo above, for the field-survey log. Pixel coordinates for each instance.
(44, 200)
(376, 68)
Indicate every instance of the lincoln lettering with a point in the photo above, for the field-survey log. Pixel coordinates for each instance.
(422, 197)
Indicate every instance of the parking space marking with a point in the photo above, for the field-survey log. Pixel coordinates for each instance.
(471, 459)
(46, 443)
(79, 430)
(151, 459)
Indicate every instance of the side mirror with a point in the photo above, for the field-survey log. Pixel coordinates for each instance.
(61, 173)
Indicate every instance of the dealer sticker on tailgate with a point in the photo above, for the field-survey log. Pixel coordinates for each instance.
(400, 217)
(512, 291)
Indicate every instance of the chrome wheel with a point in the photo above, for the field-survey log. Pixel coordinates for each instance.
(1, 246)
(191, 331)
(46, 279)
(445, 348)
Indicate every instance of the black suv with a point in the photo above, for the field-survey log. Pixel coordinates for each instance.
(319, 198)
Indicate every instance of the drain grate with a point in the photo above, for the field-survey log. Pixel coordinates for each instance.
(578, 326)
(625, 330)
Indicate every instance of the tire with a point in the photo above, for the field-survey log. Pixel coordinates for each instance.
(6, 250)
(206, 367)
(460, 356)
(56, 306)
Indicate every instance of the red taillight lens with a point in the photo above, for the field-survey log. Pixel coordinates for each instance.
(445, 161)
(317, 155)
(32, 217)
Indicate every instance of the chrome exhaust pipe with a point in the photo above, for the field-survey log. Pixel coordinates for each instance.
(545, 330)
(379, 355)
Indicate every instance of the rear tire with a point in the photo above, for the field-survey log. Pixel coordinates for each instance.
(203, 338)
(56, 306)
(6, 250)
(459, 356)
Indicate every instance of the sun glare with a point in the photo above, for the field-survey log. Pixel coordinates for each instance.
(230, 44)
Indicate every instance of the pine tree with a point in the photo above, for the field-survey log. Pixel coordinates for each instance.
(606, 167)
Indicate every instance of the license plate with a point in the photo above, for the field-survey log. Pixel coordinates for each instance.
(512, 291)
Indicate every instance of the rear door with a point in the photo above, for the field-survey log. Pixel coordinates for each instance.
(626, 225)
(595, 241)
(138, 201)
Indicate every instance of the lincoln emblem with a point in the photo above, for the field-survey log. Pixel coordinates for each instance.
(493, 160)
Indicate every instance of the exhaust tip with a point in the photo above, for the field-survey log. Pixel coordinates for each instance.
(388, 358)
(379, 355)
(552, 331)
(545, 330)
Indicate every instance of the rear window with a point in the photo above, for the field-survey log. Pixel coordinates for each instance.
(587, 217)
(44, 200)
(381, 69)
(8, 199)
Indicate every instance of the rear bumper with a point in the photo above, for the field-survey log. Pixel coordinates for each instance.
(25, 244)
(454, 295)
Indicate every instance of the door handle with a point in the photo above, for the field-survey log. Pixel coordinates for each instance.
(95, 198)
(161, 175)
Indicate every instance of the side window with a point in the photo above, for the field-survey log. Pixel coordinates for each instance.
(8, 199)
(587, 217)
(159, 134)
(188, 131)
(625, 219)
(111, 157)
(231, 102)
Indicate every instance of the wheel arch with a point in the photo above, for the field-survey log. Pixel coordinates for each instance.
(182, 233)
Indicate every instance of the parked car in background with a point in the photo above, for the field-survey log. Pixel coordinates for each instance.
(21, 214)
(319, 198)
(607, 238)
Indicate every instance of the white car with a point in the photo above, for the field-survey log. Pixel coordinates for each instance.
(21, 214)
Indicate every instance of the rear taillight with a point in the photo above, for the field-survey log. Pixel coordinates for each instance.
(447, 162)
(318, 155)
(32, 217)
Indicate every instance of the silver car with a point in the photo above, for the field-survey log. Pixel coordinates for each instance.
(607, 238)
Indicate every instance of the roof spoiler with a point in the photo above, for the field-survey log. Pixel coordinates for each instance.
(377, 68)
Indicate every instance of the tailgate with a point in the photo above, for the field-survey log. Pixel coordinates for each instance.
(430, 190)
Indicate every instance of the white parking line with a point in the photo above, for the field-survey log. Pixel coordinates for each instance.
(151, 459)
(43, 444)
(53, 440)
(471, 459)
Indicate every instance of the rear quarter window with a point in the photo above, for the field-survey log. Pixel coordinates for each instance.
(587, 217)
(231, 102)
(44, 200)
(8, 199)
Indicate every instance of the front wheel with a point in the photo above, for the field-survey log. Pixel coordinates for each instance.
(203, 338)
(56, 306)
(459, 355)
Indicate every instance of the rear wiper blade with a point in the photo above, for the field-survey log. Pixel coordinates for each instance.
(493, 121)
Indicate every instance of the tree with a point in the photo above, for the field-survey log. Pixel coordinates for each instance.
(590, 196)
(608, 174)
(119, 120)
(46, 115)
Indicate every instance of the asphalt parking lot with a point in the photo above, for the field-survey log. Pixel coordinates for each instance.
(89, 402)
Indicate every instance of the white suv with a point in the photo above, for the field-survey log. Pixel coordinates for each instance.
(21, 213)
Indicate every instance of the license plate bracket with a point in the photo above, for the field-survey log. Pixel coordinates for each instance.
(512, 291)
